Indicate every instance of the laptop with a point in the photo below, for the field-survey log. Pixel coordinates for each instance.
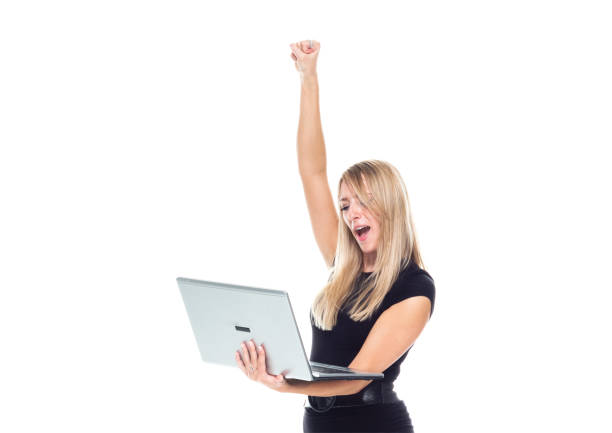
(224, 315)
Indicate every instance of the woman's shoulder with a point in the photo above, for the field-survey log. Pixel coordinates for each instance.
(413, 274)
(412, 281)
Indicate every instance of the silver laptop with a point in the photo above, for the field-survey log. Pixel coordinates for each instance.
(224, 315)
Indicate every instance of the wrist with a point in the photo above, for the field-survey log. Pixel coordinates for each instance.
(283, 387)
(309, 78)
(293, 386)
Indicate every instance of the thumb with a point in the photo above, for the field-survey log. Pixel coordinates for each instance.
(305, 46)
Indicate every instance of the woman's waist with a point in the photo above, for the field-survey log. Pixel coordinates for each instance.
(377, 392)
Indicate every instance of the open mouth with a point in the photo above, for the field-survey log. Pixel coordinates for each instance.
(362, 233)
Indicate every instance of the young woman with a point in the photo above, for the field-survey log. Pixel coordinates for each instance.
(378, 298)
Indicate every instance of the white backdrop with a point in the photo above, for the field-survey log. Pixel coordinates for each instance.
(142, 141)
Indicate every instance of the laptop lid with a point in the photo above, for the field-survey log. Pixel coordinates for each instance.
(224, 315)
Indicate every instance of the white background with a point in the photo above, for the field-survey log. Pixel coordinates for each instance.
(146, 140)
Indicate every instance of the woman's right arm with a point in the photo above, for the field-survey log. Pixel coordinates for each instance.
(311, 154)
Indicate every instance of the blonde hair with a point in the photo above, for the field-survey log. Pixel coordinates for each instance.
(397, 245)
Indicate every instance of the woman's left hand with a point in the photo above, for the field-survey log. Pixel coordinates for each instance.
(253, 364)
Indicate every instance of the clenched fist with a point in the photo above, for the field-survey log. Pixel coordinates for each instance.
(305, 58)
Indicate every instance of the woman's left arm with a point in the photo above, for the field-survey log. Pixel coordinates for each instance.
(393, 333)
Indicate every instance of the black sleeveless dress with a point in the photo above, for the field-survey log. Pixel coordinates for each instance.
(340, 346)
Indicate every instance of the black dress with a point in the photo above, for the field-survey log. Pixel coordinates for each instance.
(340, 346)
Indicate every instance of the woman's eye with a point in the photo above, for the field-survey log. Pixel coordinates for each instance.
(346, 207)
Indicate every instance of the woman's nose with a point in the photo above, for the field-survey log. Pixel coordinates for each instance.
(355, 211)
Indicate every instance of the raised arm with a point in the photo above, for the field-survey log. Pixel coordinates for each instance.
(311, 153)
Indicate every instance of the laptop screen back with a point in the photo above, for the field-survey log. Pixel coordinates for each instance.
(224, 315)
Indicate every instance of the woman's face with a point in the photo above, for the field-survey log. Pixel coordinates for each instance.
(357, 215)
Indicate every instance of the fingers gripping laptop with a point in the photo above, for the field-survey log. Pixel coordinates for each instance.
(224, 315)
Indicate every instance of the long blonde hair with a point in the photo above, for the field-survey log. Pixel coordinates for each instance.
(397, 245)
